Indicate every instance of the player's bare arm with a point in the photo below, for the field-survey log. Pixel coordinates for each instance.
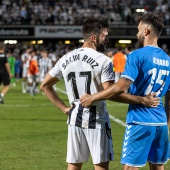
(8, 69)
(116, 92)
(115, 89)
(47, 88)
(148, 101)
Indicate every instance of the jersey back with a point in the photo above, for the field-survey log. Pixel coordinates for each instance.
(149, 70)
(84, 70)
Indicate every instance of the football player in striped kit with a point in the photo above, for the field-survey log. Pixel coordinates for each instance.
(32, 72)
(45, 64)
(85, 70)
(24, 58)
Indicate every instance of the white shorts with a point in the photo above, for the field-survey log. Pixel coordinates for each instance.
(83, 142)
(24, 70)
(33, 78)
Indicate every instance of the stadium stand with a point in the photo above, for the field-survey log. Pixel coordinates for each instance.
(73, 12)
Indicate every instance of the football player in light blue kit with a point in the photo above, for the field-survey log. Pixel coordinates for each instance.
(148, 68)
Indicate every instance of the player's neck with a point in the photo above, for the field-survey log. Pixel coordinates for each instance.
(88, 45)
(151, 43)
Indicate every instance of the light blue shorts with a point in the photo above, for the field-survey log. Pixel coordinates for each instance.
(145, 143)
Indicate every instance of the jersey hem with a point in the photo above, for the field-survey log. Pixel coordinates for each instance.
(148, 123)
(163, 162)
(134, 165)
(108, 80)
(86, 127)
(53, 75)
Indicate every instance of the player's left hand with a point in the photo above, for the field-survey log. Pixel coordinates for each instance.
(151, 100)
(10, 76)
(86, 100)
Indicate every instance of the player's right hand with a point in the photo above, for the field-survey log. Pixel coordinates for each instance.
(151, 100)
(86, 100)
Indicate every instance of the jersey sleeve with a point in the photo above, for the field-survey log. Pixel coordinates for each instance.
(107, 71)
(23, 57)
(132, 67)
(56, 71)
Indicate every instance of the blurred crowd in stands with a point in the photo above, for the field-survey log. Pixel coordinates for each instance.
(74, 12)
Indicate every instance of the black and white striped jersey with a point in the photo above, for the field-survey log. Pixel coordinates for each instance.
(45, 64)
(24, 57)
(84, 70)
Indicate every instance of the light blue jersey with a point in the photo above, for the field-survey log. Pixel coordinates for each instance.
(149, 70)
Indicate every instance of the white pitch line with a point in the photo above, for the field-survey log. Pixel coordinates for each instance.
(25, 105)
(111, 117)
(117, 120)
(62, 91)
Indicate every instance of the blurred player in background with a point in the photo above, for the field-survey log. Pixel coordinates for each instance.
(119, 61)
(45, 64)
(148, 68)
(18, 65)
(11, 61)
(5, 73)
(32, 72)
(128, 50)
(24, 58)
(53, 58)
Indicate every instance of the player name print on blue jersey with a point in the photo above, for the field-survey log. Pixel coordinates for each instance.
(160, 62)
(85, 58)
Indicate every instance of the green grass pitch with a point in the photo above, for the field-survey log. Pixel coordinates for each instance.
(33, 133)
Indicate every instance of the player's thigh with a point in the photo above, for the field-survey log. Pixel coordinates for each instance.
(100, 144)
(77, 147)
(137, 142)
(159, 152)
(72, 166)
(102, 166)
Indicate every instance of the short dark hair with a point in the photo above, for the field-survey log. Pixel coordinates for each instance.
(156, 20)
(94, 26)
